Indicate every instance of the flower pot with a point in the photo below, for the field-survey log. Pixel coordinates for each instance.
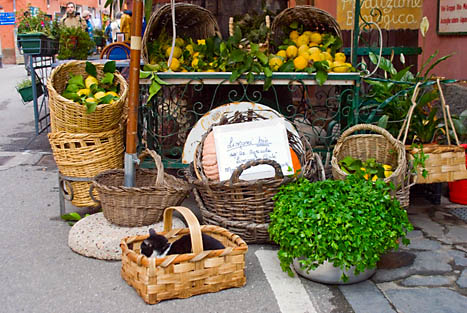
(37, 44)
(328, 274)
(458, 189)
(26, 92)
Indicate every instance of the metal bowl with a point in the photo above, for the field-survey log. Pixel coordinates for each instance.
(328, 274)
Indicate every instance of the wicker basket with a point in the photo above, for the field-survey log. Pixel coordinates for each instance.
(445, 163)
(143, 204)
(241, 206)
(192, 21)
(66, 115)
(184, 275)
(312, 18)
(84, 156)
(382, 146)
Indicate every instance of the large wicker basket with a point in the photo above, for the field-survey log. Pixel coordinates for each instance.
(310, 17)
(84, 156)
(184, 275)
(192, 21)
(242, 206)
(143, 204)
(66, 115)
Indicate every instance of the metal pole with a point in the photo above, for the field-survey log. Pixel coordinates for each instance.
(133, 99)
(356, 33)
(34, 93)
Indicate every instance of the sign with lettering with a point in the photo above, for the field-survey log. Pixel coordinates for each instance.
(452, 17)
(395, 14)
(7, 18)
(239, 143)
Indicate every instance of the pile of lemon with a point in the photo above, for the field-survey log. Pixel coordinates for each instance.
(387, 172)
(307, 48)
(100, 96)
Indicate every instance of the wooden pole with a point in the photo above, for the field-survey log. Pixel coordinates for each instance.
(133, 98)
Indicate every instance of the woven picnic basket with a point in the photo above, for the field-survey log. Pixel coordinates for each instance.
(240, 206)
(69, 116)
(312, 18)
(184, 275)
(84, 156)
(379, 145)
(192, 21)
(144, 203)
(445, 163)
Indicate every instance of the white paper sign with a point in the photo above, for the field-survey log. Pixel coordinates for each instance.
(239, 143)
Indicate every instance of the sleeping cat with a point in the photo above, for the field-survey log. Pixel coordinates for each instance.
(158, 246)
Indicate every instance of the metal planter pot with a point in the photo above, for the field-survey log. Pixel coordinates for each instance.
(328, 274)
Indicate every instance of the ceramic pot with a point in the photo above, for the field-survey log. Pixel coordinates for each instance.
(328, 274)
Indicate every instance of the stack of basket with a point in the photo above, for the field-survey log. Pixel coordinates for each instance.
(84, 144)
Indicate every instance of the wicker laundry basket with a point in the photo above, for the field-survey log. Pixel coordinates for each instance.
(144, 203)
(243, 207)
(84, 156)
(312, 18)
(66, 115)
(184, 275)
(192, 21)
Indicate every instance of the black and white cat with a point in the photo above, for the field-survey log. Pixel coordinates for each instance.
(158, 246)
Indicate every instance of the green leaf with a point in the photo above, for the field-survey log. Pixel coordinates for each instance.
(153, 90)
(293, 25)
(106, 99)
(383, 121)
(90, 107)
(262, 57)
(321, 76)
(110, 67)
(73, 216)
(107, 79)
(287, 66)
(267, 83)
(71, 96)
(144, 74)
(91, 69)
(237, 55)
(76, 80)
(373, 57)
(267, 72)
(158, 80)
(147, 10)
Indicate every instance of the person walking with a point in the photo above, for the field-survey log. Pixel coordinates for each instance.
(108, 32)
(71, 19)
(89, 26)
(125, 26)
(115, 25)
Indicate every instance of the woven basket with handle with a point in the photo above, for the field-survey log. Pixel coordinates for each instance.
(144, 203)
(192, 21)
(184, 275)
(445, 163)
(66, 115)
(312, 18)
(382, 147)
(241, 206)
(84, 156)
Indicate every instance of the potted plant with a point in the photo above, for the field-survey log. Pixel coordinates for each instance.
(347, 223)
(75, 43)
(37, 34)
(25, 90)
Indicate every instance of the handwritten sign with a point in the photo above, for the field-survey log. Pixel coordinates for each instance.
(396, 14)
(237, 144)
(452, 16)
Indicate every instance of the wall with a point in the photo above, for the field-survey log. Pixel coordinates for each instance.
(454, 67)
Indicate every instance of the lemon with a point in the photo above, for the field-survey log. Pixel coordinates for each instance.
(90, 80)
(184, 70)
(316, 37)
(374, 178)
(307, 33)
(99, 95)
(315, 57)
(387, 167)
(177, 52)
(175, 65)
(326, 56)
(313, 44)
(85, 91)
(294, 35)
(90, 100)
(388, 173)
(303, 40)
(195, 62)
(339, 57)
(190, 49)
(179, 42)
(340, 67)
(196, 54)
(282, 54)
(201, 42)
(211, 70)
(306, 55)
(302, 48)
(291, 52)
(113, 93)
(313, 50)
(275, 63)
(300, 63)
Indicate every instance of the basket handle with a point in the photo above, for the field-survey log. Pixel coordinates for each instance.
(193, 225)
(159, 166)
(369, 127)
(239, 170)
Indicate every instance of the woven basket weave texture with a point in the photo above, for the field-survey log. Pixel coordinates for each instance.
(66, 115)
(184, 275)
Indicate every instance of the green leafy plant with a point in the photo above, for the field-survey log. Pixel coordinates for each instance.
(75, 43)
(348, 223)
(38, 23)
(24, 83)
(72, 218)
(368, 169)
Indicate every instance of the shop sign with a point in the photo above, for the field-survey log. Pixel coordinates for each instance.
(452, 17)
(7, 18)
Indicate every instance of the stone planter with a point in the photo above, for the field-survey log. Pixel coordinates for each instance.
(328, 274)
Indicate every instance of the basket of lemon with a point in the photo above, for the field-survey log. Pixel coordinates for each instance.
(192, 21)
(86, 98)
(307, 34)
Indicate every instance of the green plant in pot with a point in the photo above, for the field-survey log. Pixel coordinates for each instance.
(347, 223)
(75, 43)
(24, 88)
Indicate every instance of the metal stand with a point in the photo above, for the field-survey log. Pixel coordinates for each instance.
(65, 190)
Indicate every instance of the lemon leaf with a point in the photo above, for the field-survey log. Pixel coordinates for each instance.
(107, 79)
(144, 74)
(321, 76)
(76, 80)
(90, 107)
(91, 69)
(109, 67)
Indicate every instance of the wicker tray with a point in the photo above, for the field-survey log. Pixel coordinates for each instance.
(192, 21)
(143, 204)
(242, 206)
(184, 275)
(310, 17)
(84, 156)
(66, 115)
